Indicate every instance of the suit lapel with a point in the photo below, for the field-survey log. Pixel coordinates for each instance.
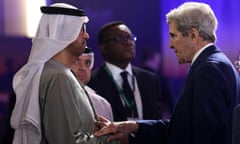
(113, 94)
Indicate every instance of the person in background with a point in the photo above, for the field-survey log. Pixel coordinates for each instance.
(151, 60)
(204, 110)
(51, 106)
(237, 62)
(82, 69)
(143, 99)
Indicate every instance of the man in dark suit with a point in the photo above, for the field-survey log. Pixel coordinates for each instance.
(203, 113)
(117, 44)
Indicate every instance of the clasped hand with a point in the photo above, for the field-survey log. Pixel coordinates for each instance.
(115, 130)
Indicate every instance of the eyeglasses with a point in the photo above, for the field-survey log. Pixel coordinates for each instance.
(122, 38)
(84, 27)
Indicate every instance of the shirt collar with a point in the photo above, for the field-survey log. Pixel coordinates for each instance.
(115, 71)
(199, 52)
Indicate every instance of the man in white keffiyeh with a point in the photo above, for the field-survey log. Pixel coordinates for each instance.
(51, 106)
(82, 69)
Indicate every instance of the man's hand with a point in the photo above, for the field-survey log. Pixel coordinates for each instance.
(115, 130)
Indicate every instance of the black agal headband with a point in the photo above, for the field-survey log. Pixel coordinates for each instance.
(62, 11)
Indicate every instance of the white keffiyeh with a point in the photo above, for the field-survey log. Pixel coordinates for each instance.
(55, 32)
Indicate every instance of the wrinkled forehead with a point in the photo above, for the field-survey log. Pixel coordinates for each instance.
(172, 27)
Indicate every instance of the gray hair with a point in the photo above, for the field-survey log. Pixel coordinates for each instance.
(194, 15)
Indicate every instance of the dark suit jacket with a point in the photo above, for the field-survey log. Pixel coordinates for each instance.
(203, 113)
(149, 87)
(236, 125)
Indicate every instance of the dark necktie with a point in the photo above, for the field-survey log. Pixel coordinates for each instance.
(128, 93)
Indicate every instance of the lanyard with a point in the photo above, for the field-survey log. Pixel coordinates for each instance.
(131, 104)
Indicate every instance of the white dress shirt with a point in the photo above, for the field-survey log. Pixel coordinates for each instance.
(116, 71)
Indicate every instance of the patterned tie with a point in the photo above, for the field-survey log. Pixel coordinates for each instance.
(128, 93)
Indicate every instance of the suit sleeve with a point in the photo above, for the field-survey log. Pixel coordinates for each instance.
(150, 131)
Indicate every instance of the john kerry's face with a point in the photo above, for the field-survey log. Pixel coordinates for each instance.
(183, 46)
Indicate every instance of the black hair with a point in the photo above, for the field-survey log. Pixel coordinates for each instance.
(104, 31)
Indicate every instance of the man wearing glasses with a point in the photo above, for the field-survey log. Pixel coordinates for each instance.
(51, 106)
(117, 45)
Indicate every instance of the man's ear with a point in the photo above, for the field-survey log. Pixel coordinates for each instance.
(193, 32)
(192, 35)
(103, 48)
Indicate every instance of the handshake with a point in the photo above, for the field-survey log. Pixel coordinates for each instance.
(115, 130)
